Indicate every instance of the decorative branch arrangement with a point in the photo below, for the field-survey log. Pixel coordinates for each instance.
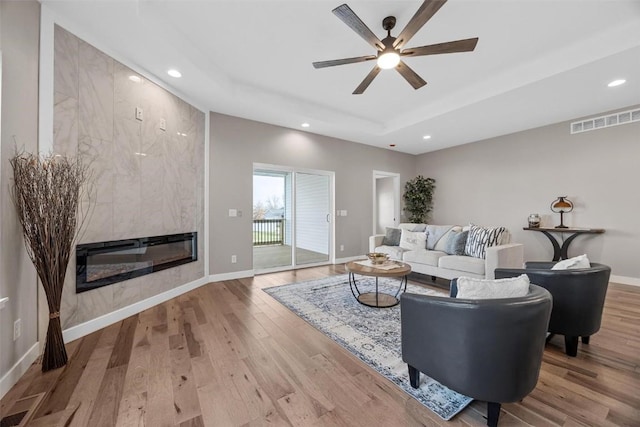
(418, 198)
(47, 192)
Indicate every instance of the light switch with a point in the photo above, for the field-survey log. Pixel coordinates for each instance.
(163, 124)
(233, 212)
(344, 212)
(139, 113)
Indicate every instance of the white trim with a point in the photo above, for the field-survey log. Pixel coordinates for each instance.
(231, 276)
(45, 94)
(18, 370)
(350, 258)
(206, 191)
(624, 280)
(93, 325)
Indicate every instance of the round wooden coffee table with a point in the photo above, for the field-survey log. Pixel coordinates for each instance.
(377, 299)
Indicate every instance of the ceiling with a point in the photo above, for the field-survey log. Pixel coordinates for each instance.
(537, 62)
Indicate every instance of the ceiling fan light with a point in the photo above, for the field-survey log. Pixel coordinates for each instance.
(388, 60)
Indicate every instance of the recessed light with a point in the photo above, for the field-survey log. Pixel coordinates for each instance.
(174, 73)
(135, 79)
(426, 137)
(617, 82)
(305, 125)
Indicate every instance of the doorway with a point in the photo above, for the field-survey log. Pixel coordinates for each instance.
(386, 201)
(292, 218)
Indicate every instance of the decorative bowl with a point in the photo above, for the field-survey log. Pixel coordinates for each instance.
(377, 257)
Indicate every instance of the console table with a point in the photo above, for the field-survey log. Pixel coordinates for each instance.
(560, 252)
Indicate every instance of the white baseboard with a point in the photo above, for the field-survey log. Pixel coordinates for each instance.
(231, 276)
(624, 280)
(93, 325)
(13, 375)
(350, 258)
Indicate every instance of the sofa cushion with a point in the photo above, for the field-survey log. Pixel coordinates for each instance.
(392, 237)
(462, 263)
(412, 227)
(441, 245)
(435, 233)
(412, 240)
(512, 287)
(394, 252)
(480, 238)
(423, 256)
(456, 242)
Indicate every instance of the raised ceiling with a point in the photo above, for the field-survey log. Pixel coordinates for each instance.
(537, 62)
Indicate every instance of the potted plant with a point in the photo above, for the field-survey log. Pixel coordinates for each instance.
(47, 192)
(418, 198)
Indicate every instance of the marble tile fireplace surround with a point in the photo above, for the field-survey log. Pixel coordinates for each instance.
(103, 263)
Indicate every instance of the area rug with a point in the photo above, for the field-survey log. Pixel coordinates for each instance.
(372, 334)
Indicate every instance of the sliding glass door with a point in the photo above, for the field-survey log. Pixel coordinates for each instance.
(313, 218)
(292, 221)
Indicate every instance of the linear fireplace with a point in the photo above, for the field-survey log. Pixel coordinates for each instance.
(104, 263)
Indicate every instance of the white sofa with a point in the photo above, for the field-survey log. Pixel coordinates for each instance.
(437, 263)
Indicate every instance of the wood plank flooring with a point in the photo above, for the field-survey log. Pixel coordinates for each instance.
(227, 354)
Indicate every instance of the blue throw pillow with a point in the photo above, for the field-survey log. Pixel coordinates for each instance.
(392, 238)
(456, 243)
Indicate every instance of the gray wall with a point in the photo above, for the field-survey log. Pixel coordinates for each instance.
(148, 182)
(500, 181)
(237, 143)
(19, 41)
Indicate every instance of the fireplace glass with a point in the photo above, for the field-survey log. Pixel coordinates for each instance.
(104, 263)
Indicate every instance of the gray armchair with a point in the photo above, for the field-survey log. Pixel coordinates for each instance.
(490, 349)
(578, 298)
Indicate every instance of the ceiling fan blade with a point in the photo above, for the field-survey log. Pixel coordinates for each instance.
(424, 13)
(466, 45)
(334, 62)
(409, 75)
(348, 16)
(367, 81)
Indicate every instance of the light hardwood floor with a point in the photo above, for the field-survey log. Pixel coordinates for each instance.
(227, 354)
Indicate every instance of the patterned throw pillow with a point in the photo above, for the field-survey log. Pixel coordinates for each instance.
(411, 241)
(481, 238)
(392, 238)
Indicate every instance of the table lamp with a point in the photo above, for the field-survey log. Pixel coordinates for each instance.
(561, 205)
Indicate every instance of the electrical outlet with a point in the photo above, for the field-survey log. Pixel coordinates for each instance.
(139, 113)
(234, 259)
(163, 124)
(17, 329)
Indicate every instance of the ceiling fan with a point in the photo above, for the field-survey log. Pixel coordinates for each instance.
(390, 49)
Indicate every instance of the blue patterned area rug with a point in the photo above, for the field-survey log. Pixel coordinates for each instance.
(372, 334)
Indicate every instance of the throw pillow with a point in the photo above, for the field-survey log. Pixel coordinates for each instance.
(435, 233)
(512, 287)
(392, 238)
(481, 238)
(456, 242)
(413, 240)
(576, 262)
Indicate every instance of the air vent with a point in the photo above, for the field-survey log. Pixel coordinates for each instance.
(606, 121)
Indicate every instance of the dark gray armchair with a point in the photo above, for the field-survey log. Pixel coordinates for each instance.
(490, 350)
(578, 298)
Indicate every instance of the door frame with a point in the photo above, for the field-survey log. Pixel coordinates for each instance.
(332, 227)
(396, 197)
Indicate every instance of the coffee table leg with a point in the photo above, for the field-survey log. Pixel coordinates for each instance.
(403, 280)
(377, 293)
(353, 284)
